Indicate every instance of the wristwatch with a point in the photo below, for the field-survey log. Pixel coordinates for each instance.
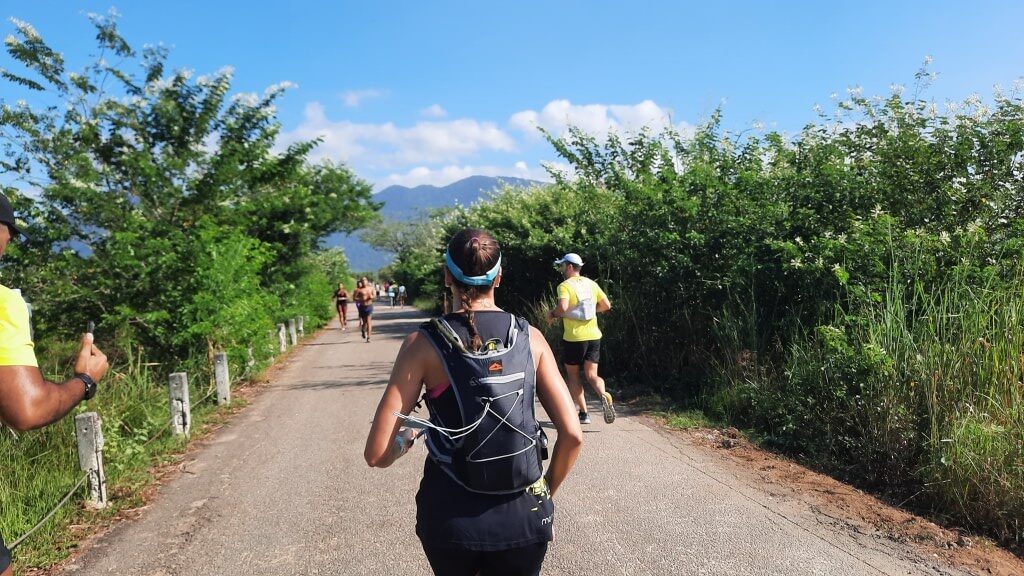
(90, 385)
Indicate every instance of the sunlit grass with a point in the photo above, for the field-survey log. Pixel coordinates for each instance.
(38, 467)
(919, 390)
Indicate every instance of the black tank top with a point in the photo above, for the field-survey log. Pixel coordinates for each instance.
(449, 515)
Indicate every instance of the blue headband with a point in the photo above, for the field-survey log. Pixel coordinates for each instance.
(485, 280)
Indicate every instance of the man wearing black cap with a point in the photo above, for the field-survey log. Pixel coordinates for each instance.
(579, 301)
(27, 400)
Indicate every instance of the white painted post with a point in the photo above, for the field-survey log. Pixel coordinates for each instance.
(251, 361)
(220, 374)
(89, 436)
(281, 338)
(291, 332)
(181, 410)
(301, 321)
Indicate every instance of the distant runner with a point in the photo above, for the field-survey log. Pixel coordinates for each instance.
(579, 301)
(363, 295)
(341, 304)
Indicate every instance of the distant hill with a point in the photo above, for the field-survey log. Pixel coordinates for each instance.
(404, 203)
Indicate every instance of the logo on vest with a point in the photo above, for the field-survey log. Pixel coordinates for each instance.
(495, 366)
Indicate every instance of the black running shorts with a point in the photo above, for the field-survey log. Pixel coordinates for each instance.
(524, 561)
(5, 555)
(574, 353)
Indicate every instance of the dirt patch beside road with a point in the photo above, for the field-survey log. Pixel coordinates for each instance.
(839, 504)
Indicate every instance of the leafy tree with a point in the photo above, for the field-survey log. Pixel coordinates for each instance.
(151, 184)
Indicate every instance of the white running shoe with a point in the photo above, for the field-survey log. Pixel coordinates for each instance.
(609, 408)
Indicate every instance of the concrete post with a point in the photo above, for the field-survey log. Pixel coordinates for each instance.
(301, 320)
(181, 410)
(281, 338)
(89, 436)
(220, 374)
(291, 332)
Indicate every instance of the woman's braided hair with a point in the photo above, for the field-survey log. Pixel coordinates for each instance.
(475, 252)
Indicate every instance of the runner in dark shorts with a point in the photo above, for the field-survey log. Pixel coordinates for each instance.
(363, 296)
(580, 300)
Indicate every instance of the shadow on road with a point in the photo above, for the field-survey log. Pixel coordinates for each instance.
(394, 329)
(406, 313)
(337, 384)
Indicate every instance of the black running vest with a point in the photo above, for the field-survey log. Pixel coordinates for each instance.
(492, 443)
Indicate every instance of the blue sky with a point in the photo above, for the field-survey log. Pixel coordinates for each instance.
(429, 92)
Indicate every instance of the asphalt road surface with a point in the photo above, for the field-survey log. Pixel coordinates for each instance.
(283, 489)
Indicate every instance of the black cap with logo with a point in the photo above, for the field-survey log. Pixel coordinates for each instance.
(7, 215)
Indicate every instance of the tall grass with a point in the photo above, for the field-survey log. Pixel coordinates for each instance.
(38, 467)
(917, 391)
(961, 355)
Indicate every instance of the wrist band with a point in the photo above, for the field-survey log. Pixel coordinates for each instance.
(90, 385)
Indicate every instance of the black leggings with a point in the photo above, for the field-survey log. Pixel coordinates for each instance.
(523, 561)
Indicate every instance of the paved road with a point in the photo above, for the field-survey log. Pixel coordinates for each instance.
(283, 489)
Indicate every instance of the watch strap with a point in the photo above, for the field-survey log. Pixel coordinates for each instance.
(90, 385)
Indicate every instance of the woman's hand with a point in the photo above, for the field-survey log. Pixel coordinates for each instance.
(404, 441)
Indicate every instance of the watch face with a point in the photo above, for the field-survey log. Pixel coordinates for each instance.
(90, 385)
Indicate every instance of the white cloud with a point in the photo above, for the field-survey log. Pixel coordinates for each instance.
(387, 146)
(434, 111)
(453, 173)
(597, 119)
(353, 98)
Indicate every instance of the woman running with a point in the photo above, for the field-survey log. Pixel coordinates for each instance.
(341, 304)
(484, 504)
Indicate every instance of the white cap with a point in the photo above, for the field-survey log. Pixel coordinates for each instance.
(571, 258)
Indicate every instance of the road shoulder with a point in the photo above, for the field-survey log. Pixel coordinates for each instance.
(872, 521)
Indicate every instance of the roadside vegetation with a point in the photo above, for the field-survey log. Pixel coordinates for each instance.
(851, 293)
(158, 208)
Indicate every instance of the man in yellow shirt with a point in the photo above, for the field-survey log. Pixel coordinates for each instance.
(580, 299)
(27, 400)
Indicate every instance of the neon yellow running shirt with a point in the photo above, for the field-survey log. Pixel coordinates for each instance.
(16, 348)
(580, 330)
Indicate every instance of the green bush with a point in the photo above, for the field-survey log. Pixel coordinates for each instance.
(851, 292)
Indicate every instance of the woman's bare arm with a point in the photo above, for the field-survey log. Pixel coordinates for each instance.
(554, 396)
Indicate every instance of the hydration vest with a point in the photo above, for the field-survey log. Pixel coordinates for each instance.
(586, 306)
(497, 445)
